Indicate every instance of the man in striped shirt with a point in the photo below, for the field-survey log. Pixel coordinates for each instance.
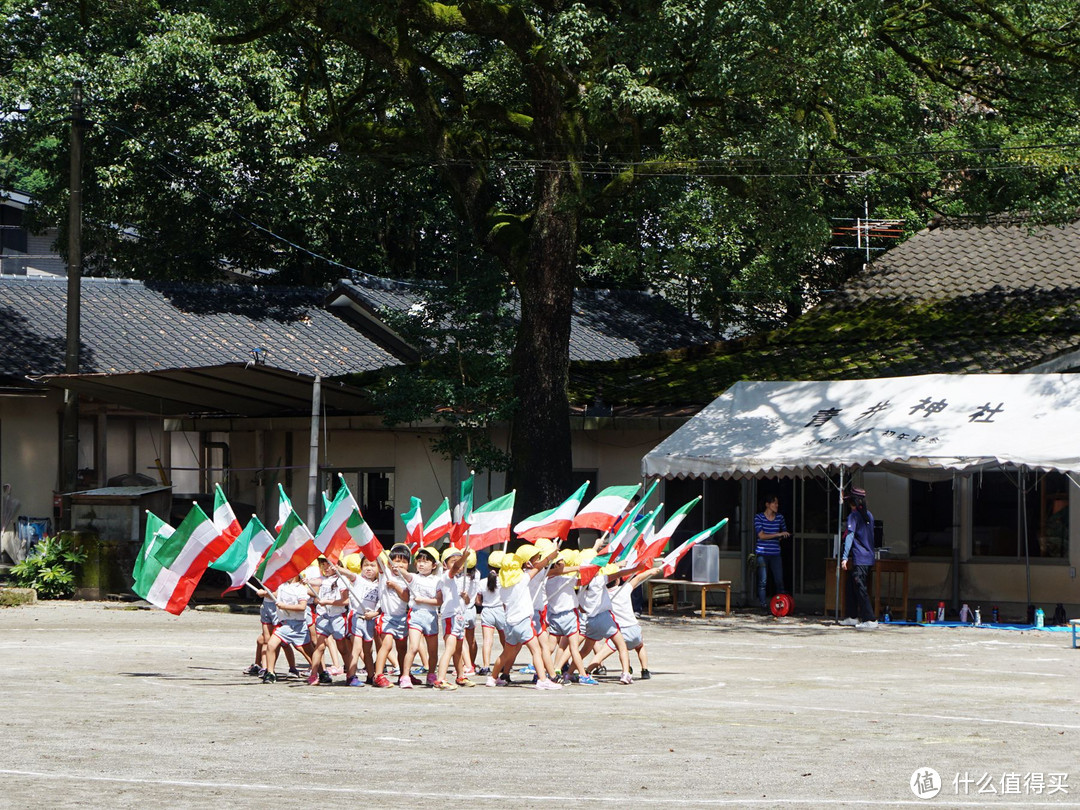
(769, 529)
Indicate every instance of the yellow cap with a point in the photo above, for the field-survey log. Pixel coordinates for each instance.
(354, 562)
(510, 574)
(495, 559)
(610, 568)
(449, 552)
(471, 561)
(544, 547)
(431, 552)
(567, 556)
(585, 556)
(526, 553)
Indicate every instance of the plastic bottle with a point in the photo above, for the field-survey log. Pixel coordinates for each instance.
(994, 614)
(940, 612)
(1040, 618)
(918, 614)
(978, 617)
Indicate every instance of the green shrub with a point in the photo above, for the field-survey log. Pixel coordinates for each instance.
(50, 569)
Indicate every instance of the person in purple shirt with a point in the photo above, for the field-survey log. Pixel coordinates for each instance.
(769, 529)
(858, 559)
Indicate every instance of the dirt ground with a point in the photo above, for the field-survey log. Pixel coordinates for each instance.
(107, 707)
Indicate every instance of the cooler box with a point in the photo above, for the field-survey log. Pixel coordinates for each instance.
(706, 563)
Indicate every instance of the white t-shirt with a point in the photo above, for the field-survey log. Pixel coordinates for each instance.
(424, 587)
(451, 587)
(364, 595)
(490, 598)
(594, 599)
(560, 593)
(621, 606)
(472, 584)
(330, 591)
(292, 593)
(518, 602)
(537, 590)
(392, 604)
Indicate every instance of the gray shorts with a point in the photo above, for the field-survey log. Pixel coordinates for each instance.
(361, 627)
(564, 624)
(470, 616)
(336, 626)
(631, 635)
(396, 626)
(521, 632)
(601, 626)
(293, 631)
(426, 621)
(453, 626)
(268, 613)
(494, 617)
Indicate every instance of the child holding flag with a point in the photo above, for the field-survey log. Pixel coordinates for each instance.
(516, 573)
(423, 619)
(492, 612)
(362, 576)
(292, 602)
(394, 602)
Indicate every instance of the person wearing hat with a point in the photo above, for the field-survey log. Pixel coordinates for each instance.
(517, 571)
(331, 604)
(472, 588)
(769, 529)
(563, 618)
(292, 628)
(362, 579)
(600, 622)
(857, 560)
(492, 612)
(452, 617)
(394, 604)
(423, 615)
(622, 609)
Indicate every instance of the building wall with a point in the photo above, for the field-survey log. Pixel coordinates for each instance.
(29, 454)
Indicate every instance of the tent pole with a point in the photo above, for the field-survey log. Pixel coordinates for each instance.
(955, 544)
(1023, 513)
(839, 542)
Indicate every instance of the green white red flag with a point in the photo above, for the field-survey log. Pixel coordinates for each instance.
(490, 523)
(224, 517)
(283, 509)
(602, 511)
(155, 526)
(414, 525)
(655, 541)
(294, 550)
(243, 556)
(333, 536)
(554, 524)
(672, 558)
(439, 524)
(186, 553)
(618, 542)
(364, 538)
(462, 513)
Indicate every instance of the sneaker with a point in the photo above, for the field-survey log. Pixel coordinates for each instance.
(294, 672)
(492, 681)
(870, 625)
(558, 677)
(600, 670)
(325, 677)
(626, 679)
(444, 686)
(405, 682)
(392, 670)
(483, 671)
(528, 669)
(469, 671)
(465, 683)
(370, 680)
(313, 678)
(433, 679)
(355, 681)
(252, 670)
(418, 671)
(588, 680)
(535, 678)
(645, 674)
(382, 682)
(547, 684)
(849, 622)
(505, 678)
(269, 677)
(336, 671)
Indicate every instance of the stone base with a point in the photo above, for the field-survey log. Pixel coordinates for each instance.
(10, 597)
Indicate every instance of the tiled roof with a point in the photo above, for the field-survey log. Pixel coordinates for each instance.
(132, 326)
(606, 324)
(973, 299)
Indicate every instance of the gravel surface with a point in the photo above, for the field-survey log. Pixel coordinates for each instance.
(108, 707)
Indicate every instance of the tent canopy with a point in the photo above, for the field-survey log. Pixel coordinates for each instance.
(923, 427)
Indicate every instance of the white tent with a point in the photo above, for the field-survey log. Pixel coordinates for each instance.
(923, 427)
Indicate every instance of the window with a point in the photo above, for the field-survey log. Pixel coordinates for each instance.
(930, 512)
(998, 523)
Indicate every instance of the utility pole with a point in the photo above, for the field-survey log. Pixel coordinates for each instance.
(70, 420)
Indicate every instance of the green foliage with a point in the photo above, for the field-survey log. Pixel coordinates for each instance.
(50, 569)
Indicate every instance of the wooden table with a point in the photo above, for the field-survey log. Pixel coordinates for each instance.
(705, 587)
(880, 567)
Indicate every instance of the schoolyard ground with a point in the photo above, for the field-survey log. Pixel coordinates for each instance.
(102, 706)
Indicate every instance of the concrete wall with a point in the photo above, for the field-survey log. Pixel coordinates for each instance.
(29, 454)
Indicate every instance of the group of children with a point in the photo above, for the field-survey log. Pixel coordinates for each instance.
(390, 611)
